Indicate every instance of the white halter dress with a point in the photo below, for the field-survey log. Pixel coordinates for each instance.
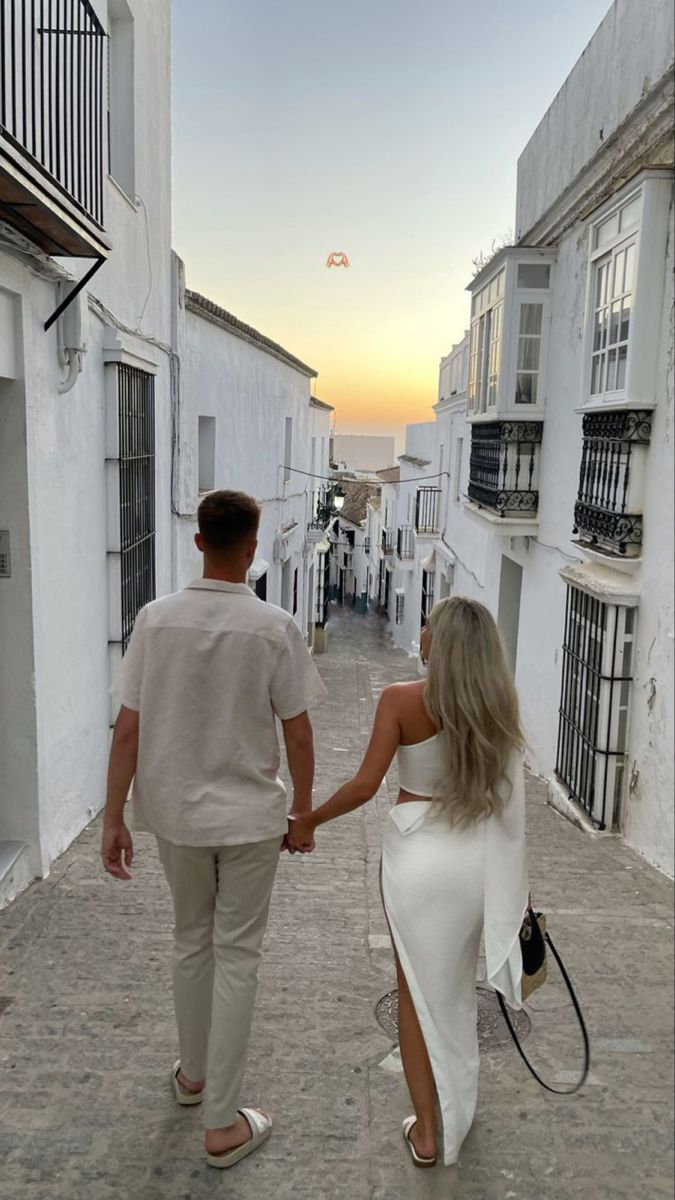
(442, 889)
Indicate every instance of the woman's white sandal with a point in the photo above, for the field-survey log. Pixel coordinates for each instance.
(182, 1094)
(418, 1160)
(261, 1128)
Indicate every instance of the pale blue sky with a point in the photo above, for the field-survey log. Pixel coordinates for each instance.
(388, 130)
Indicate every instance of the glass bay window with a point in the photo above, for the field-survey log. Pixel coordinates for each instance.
(626, 277)
(510, 315)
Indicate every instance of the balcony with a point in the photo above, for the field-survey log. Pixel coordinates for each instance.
(607, 514)
(405, 542)
(503, 474)
(387, 542)
(427, 508)
(52, 141)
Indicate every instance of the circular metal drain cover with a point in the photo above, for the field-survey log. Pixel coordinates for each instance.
(492, 1030)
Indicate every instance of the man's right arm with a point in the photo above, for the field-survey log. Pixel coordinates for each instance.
(299, 740)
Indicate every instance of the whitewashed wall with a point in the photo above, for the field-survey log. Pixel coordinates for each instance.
(249, 392)
(57, 516)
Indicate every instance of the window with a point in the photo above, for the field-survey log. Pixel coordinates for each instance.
(426, 509)
(207, 453)
(136, 441)
(529, 352)
(612, 309)
(427, 596)
(625, 294)
(459, 448)
(400, 605)
(533, 275)
(288, 448)
(595, 693)
(261, 587)
(485, 351)
(121, 104)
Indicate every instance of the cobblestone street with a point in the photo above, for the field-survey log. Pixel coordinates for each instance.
(87, 1034)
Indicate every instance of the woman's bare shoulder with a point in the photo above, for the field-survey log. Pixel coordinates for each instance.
(402, 695)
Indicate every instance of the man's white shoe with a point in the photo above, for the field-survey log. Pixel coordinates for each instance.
(261, 1128)
(183, 1096)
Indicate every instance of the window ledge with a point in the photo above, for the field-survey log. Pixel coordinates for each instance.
(615, 405)
(507, 526)
(607, 584)
(624, 564)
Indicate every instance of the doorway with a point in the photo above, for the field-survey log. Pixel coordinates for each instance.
(508, 618)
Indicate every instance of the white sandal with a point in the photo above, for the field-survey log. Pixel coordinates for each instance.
(261, 1128)
(418, 1160)
(183, 1096)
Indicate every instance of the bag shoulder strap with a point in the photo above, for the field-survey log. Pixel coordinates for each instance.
(582, 1025)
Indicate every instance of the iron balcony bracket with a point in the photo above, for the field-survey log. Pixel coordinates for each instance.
(98, 263)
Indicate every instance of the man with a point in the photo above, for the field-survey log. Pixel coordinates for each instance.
(207, 671)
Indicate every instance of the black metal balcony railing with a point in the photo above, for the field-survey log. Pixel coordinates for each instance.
(387, 541)
(427, 506)
(604, 513)
(504, 466)
(52, 55)
(405, 542)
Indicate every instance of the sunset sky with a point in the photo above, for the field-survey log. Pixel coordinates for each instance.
(384, 129)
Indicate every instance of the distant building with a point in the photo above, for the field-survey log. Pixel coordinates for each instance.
(362, 453)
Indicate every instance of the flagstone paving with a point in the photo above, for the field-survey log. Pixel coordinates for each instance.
(87, 1034)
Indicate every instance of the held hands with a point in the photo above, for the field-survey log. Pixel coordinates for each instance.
(300, 836)
(117, 850)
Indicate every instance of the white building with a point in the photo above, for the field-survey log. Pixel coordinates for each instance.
(362, 453)
(247, 421)
(110, 424)
(558, 508)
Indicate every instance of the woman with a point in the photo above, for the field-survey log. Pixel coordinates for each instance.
(453, 863)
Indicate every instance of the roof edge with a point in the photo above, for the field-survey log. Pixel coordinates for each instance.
(201, 306)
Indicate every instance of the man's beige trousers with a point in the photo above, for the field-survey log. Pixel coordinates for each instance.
(221, 897)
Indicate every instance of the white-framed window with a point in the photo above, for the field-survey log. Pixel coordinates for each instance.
(613, 256)
(510, 319)
(400, 605)
(529, 353)
(485, 349)
(624, 309)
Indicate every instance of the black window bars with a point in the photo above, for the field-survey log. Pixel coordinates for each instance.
(136, 405)
(594, 700)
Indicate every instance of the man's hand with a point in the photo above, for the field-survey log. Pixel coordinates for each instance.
(116, 846)
(300, 836)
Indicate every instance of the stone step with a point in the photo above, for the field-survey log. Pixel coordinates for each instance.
(15, 870)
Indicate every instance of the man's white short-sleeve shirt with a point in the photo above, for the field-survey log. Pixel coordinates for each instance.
(208, 669)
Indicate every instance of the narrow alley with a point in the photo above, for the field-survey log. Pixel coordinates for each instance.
(87, 1035)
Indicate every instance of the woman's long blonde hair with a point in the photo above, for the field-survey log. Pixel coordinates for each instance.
(471, 698)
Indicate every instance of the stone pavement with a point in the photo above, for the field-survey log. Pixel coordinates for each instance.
(87, 1035)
